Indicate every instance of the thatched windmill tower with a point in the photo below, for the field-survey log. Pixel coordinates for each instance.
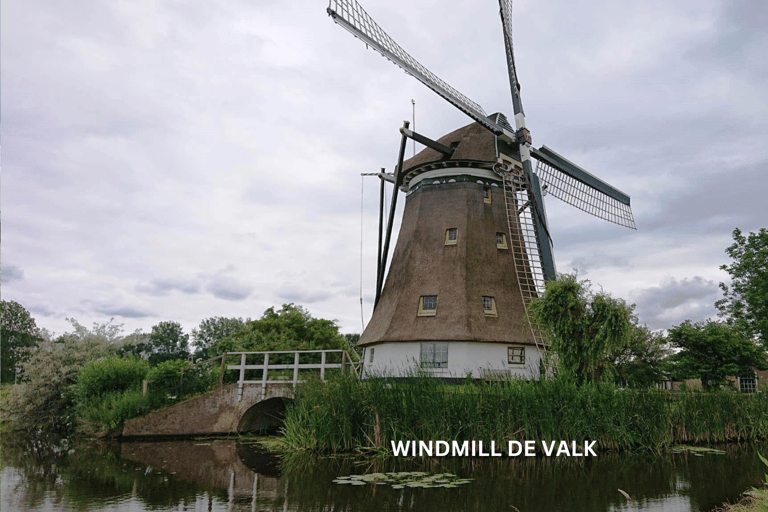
(474, 246)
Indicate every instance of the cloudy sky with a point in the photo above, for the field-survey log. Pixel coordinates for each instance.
(177, 160)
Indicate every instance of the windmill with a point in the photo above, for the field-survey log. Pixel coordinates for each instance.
(474, 246)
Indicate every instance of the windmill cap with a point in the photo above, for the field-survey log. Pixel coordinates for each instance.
(474, 146)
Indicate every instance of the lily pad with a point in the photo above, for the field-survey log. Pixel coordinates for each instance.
(403, 479)
(697, 450)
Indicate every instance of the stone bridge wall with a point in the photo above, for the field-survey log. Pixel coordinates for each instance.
(216, 412)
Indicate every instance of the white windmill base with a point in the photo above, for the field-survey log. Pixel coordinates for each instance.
(488, 361)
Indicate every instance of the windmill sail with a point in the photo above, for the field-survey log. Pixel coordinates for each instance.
(572, 184)
(505, 9)
(350, 15)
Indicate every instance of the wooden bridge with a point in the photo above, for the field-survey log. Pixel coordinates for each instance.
(256, 402)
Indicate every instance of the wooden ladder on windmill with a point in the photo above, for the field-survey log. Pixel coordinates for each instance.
(526, 252)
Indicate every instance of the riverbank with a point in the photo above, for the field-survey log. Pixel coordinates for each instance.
(345, 415)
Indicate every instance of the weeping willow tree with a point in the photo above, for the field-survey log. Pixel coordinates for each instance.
(586, 329)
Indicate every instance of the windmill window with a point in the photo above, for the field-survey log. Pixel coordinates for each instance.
(747, 385)
(427, 305)
(489, 306)
(451, 236)
(370, 360)
(434, 355)
(501, 241)
(516, 355)
(487, 195)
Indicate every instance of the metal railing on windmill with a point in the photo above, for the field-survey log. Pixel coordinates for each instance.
(524, 186)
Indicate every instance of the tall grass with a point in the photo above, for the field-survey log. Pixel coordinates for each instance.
(345, 414)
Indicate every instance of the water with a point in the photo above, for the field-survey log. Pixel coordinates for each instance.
(228, 475)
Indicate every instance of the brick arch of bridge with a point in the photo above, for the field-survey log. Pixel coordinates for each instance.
(232, 408)
(215, 413)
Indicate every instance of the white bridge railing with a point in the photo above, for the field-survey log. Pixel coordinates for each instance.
(296, 366)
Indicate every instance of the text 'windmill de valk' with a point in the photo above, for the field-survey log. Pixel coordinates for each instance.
(474, 246)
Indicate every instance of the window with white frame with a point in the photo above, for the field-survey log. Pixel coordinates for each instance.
(747, 385)
(370, 359)
(516, 355)
(451, 236)
(489, 306)
(427, 305)
(434, 355)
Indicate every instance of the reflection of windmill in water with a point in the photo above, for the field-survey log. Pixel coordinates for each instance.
(474, 246)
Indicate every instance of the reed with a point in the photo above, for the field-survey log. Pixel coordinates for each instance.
(345, 414)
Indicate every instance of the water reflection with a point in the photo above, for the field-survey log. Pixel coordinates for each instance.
(228, 475)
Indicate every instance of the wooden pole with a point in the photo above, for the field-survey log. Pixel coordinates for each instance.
(398, 180)
(223, 367)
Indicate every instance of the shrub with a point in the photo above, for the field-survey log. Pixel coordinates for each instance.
(110, 410)
(44, 400)
(166, 385)
(109, 375)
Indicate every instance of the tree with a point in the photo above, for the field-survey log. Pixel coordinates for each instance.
(212, 330)
(585, 328)
(136, 344)
(289, 328)
(352, 340)
(44, 400)
(745, 302)
(18, 334)
(167, 341)
(641, 362)
(710, 351)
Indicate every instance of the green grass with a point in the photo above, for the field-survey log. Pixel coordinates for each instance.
(345, 414)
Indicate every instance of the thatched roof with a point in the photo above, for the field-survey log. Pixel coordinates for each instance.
(459, 275)
(475, 147)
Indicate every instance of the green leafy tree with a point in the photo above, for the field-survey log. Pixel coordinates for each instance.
(289, 328)
(44, 400)
(710, 351)
(136, 344)
(585, 328)
(166, 342)
(745, 302)
(19, 333)
(641, 362)
(212, 330)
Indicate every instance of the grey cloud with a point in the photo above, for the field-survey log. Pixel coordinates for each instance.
(741, 37)
(161, 287)
(41, 310)
(11, 273)
(598, 260)
(303, 296)
(228, 288)
(123, 311)
(738, 199)
(674, 301)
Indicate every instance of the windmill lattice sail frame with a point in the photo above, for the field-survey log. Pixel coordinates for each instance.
(351, 15)
(583, 196)
(526, 249)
